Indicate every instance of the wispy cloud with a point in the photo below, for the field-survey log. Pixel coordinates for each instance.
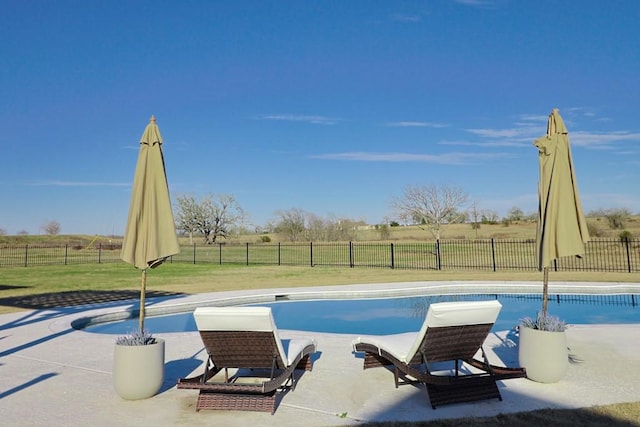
(454, 158)
(417, 124)
(531, 127)
(528, 119)
(497, 143)
(477, 3)
(520, 132)
(580, 111)
(55, 183)
(318, 120)
(601, 140)
(611, 200)
(403, 17)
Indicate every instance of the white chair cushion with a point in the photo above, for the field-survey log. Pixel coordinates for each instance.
(457, 313)
(234, 319)
(293, 347)
(396, 344)
(257, 319)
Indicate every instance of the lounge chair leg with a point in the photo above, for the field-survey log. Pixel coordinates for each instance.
(305, 363)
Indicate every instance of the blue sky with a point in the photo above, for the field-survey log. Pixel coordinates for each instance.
(332, 107)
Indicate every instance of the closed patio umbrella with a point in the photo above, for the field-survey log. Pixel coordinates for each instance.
(562, 228)
(150, 236)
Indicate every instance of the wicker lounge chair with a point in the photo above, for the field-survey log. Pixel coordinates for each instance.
(243, 342)
(452, 331)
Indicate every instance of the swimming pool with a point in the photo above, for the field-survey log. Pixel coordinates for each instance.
(404, 314)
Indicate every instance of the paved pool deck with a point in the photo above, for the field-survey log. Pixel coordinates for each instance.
(54, 375)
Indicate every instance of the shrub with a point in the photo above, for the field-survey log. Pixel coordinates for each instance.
(136, 337)
(594, 229)
(625, 236)
(544, 323)
(617, 218)
(265, 239)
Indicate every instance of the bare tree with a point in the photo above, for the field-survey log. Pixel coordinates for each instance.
(215, 216)
(490, 216)
(296, 225)
(52, 228)
(344, 229)
(475, 217)
(188, 212)
(617, 218)
(317, 228)
(3, 232)
(291, 224)
(515, 214)
(430, 206)
(383, 231)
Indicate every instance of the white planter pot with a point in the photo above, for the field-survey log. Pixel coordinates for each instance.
(138, 371)
(543, 354)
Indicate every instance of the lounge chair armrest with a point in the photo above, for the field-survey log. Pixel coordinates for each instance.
(295, 346)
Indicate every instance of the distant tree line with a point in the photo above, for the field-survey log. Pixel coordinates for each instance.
(220, 216)
(429, 207)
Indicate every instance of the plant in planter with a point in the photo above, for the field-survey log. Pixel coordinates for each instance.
(137, 337)
(138, 365)
(542, 349)
(544, 322)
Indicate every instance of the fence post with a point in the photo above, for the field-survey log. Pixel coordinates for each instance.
(247, 253)
(393, 261)
(279, 254)
(99, 252)
(351, 254)
(438, 260)
(66, 252)
(26, 255)
(311, 252)
(194, 253)
(493, 253)
(626, 242)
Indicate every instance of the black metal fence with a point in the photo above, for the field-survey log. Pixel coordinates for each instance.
(605, 255)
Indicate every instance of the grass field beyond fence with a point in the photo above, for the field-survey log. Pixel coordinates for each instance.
(606, 255)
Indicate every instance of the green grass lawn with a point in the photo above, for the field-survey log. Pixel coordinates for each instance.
(41, 286)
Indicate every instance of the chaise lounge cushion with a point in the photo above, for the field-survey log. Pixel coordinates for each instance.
(249, 319)
(404, 346)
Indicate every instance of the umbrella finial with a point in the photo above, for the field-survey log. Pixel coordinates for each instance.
(153, 119)
(555, 110)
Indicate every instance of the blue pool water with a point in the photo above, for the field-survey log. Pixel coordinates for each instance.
(397, 315)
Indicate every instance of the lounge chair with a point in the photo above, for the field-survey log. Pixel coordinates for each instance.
(245, 341)
(452, 331)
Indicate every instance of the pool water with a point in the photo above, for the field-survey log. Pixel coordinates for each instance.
(397, 315)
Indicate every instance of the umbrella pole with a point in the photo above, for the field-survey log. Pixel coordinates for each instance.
(142, 292)
(545, 290)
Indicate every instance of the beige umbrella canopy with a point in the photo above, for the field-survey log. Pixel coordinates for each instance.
(150, 237)
(562, 228)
